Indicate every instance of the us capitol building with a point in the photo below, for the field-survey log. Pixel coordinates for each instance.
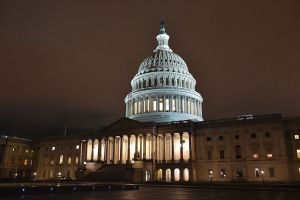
(163, 138)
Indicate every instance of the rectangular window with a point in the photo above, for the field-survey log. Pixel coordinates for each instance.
(222, 154)
(298, 153)
(271, 171)
(139, 106)
(208, 139)
(223, 173)
(182, 105)
(255, 155)
(239, 173)
(76, 160)
(77, 146)
(188, 106)
(269, 155)
(160, 104)
(253, 135)
(167, 104)
(154, 105)
(209, 155)
(221, 137)
(135, 108)
(174, 105)
(296, 137)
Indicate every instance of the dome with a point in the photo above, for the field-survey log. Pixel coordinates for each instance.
(163, 90)
(162, 60)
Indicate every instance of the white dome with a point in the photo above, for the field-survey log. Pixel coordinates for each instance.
(163, 90)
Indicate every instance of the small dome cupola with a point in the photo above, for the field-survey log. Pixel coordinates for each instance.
(162, 38)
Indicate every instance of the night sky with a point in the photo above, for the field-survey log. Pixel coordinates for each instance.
(72, 61)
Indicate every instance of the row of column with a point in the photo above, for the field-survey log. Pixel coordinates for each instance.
(165, 103)
(173, 147)
(153, 82)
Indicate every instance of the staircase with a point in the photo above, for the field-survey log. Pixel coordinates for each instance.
(110, 173)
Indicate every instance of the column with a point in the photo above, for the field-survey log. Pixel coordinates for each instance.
(171, 104)
(164, 148)
(107, 148)
(153, 146)
(172, 139)
(144, 144)
(142, 105)
(114, 146)
(181, 147)
(128, 150)
(121, 150)
(136, 147)
(99, 149)
(150, 104)
(190, 148)
(164, 103)
(81, 160)
(157, 104)
(141, 147)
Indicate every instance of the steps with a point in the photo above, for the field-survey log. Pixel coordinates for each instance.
(110, 173)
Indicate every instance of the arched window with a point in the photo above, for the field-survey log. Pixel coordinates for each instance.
(155, 82)
(144, 83)
(176, 174)
(132, 147)
(149, 82)
(238, 153)
(186, 175)
(147, 176)
(167, 81)
(159, 175)
(89, 150)
(102, 157)
(168, 175)
(95, 150)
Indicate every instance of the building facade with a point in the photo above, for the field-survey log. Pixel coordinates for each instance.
(163, 138)
(17, 157)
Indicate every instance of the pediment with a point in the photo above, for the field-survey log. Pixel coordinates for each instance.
(123, 124)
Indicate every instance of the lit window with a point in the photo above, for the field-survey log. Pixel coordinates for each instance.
(76, 160)
(52, 162)
(69, 160)
(61, 159)
(296, 137)
(298, 153)
(269, 155)
(26, 161)
(53, 148)
(59, 174)
(299, 170)
(26, 151)
(77, 146)
(257, 172)
(255, 155)
(167, 104)
(13, 149)
(173, 105)
(160, 104)
(154, 105)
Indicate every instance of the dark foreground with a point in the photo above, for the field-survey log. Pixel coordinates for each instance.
(147, 192)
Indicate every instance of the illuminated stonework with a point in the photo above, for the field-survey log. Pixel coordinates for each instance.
(163, 90)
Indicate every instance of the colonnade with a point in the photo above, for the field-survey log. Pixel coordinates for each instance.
(170, 147)
(165, 103)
